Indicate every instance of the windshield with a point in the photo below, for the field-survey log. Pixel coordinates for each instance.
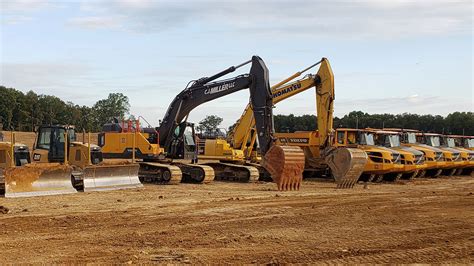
(72, 134)
(188, 136)
(367, 139)
(433, 141)
(450, 142)
(411, 138)
(394, 140)
(470, 143)
(44, 138)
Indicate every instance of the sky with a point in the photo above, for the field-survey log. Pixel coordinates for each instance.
(388, 56)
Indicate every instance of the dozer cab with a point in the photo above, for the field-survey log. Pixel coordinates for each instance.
(176, 141)
(455, 142)
(381, 160)
(63, 165)
(452, 156)
(413, 161)
(434, 158)
(346, 164)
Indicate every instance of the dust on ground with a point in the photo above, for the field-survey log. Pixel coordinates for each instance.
(424, 221)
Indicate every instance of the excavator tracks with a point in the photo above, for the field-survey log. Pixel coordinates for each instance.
(160, 173)
(346, 164)
(196, 173)
(234, 172)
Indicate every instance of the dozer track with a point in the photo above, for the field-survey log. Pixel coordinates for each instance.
(234, 172)
(38, 180)
(159, 173)
(196, 173)
(111, 177)
(346, 164)
(286, 165)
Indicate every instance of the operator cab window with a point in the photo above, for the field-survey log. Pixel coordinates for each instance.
(44, 139)
(340, 137)
(411, 138)
(450, 142)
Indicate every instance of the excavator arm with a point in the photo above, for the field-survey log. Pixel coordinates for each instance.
(243, 133)
(346, 164)
(206, 89)
(285, 164)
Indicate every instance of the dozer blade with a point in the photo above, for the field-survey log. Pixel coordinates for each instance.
(286, 165)
(38, 180)
(347, 164)
(111, 177)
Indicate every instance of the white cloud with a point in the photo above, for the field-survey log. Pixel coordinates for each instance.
(15, 19)
(24, 5)
(69, 81)
(97, 22)
(351, 19)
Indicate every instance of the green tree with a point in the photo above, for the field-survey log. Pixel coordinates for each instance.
(116, 105)
(209, 124)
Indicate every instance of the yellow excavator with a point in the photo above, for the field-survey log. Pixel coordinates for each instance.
(171, 148)
(346, 164)
(62, 165)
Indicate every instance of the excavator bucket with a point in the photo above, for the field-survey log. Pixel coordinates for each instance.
(111, 177)
(286, 165)
(346, 164)
(38, 180)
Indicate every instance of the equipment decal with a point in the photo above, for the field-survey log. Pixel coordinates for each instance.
(295, 140)
(219, 88)
(287, 90)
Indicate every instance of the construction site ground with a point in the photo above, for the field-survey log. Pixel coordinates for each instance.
(423, 221)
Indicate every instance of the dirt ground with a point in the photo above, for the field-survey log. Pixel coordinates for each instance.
(425, 221)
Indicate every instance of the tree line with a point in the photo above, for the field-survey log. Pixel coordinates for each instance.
(25, 111)
(460, 123)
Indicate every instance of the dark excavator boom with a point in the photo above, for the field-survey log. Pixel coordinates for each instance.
(206, 89)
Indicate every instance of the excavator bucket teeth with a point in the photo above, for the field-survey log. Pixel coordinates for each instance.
(111, 177)
(285, 164)
(38, 180)
(346, 164)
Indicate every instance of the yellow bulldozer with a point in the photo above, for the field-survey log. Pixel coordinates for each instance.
(346, 164)
(12, 154)
(62, 165)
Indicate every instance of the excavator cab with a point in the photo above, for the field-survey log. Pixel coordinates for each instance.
(183, 145)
